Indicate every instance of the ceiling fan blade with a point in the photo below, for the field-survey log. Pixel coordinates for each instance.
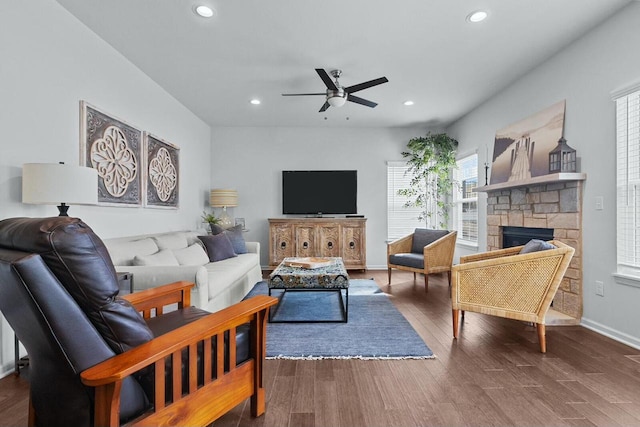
(361, 101)
(365, 85)
(303, 94)
(324, 107)
(326, 79)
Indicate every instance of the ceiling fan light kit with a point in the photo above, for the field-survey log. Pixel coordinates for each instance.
(337, 95)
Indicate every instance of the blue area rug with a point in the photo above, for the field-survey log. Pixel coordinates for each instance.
(375, 330)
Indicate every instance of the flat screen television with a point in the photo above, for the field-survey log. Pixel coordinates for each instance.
(320, 192)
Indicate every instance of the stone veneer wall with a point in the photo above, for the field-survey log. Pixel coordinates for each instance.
(553, 205)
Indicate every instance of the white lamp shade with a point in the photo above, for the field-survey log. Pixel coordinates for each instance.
(219, 198)
(337, 101)
(55, 183)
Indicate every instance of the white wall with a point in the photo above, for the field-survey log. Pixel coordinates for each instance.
(49, 61)
(584, 74)
(251, 160)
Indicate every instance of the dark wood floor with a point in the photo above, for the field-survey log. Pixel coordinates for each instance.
(493, 375)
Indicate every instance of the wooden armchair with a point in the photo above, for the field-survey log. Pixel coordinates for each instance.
(95, 360)
(508, 284)
(424, 251)
(220, 387)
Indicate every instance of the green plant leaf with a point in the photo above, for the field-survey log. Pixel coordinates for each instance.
(430, 159)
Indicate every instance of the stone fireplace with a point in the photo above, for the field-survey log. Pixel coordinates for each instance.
(554, 203)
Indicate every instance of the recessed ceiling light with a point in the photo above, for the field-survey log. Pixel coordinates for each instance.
(407, 103)
(255, 101)
(477, 16)
(204, 11)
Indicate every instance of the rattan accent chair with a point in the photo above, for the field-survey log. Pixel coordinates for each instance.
(508, 284)
(423, 251)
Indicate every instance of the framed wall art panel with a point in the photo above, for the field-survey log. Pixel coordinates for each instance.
(162, 173)
(521, 150)
(114, 148)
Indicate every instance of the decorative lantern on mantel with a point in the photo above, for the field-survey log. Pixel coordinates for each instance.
(562, 158)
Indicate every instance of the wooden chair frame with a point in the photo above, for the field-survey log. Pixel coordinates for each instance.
(222, 390)
(438, 256)
(508, 284)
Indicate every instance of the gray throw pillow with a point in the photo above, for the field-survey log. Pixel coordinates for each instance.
(423, 236)
(535, 245)
(215, 229)
(237, 239)
(218, 247)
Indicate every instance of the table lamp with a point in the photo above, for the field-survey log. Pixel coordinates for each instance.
(59, 184)
(220, 198)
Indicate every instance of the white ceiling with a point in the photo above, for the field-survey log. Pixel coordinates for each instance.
(263, 48)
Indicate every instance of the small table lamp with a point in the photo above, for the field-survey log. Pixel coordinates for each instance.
(219, 198)
(59, 184)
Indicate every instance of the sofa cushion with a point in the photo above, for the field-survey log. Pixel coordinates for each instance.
(408, 260)
(218, 247)
(423, 236)
(171, 241)
(160, 258)
(192, 255)
(237, 239)
(192, 237)
(535, 245)
(123, 252)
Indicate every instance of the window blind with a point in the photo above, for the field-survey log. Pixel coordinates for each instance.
(465, 212)
(401, 220)
(628, 180)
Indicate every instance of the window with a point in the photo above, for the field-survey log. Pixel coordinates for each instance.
(628, 182)
(465, 200)
(400, 219)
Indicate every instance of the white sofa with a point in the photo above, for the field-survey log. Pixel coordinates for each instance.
(218, 284)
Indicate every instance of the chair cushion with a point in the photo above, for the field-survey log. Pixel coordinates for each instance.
(535, 245)
(161, 258)
(218, 247)
(237, 239)
(423, 236)
(408, 260)
(79, 259)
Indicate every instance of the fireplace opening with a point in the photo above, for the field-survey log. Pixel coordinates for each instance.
(516, 236)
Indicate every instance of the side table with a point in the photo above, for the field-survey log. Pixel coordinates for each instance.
(125, 282)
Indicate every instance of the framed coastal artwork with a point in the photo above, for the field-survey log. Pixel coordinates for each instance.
(162, 173)
(114, 148)
(521, 150)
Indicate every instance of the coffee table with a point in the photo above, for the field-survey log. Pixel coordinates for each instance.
(291, 278)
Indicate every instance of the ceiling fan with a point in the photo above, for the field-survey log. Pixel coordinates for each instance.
(337, 95)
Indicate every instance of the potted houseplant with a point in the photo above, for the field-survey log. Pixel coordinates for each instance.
(430, 160)
(210, 219)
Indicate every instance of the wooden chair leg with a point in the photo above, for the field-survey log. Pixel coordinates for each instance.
(414, 276)
(31, 417)
(542, 337)
(426, 282)
(456, 322)
(389, 276)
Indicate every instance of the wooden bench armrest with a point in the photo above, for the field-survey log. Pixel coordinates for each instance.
(153, 300)
(400, 246)
(125, 364)
(499, 253)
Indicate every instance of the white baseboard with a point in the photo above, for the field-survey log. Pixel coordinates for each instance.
(614, 334)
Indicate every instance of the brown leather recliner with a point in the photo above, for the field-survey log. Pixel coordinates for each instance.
(94, 357)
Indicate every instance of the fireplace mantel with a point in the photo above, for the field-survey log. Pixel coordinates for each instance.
(544, 179)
